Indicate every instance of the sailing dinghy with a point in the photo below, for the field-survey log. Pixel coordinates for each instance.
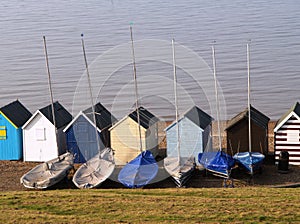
(180, 168)
(48, 173)
(53, 171)
(219, 163)
(250, 161)
(96, 170)
(141, 170)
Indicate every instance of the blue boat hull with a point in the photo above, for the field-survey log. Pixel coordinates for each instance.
(219, 163)
(251, 161)
(139, 171)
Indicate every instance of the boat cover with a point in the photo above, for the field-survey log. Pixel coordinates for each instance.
(96, 170)
(180, 169)
(48, 173)
(219, 163)
(251, 161)
(139, 171)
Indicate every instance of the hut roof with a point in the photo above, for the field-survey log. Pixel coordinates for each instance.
(295, 108)
(197, 116)
(104, 118)
(16, 113)
(146, 118)
(62, 116)
(256, 116)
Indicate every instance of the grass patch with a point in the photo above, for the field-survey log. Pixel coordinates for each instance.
(240, 205)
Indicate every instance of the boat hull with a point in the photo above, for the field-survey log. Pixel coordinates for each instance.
(180, 171)
(48, 173)
(218, 163)
(139, 171)
(251, 161)
(96, 170)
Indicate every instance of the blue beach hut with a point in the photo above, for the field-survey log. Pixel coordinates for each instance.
(194, 132)
(80, 133)
(12, 118)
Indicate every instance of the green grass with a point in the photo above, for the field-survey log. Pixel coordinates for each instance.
(236, 205)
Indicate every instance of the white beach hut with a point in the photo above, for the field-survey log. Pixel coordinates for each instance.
(42, 141)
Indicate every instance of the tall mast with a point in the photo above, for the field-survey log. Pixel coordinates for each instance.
(136, 90)
(176, 99)
(50, 89)
(90, 92)
(249, 106)
(217, 96)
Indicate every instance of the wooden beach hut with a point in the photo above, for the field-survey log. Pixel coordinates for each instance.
(125, 138)
(238, 136)
(12, 117)
(194, 129)
(80, 133)
(286, 135)
(42, 140)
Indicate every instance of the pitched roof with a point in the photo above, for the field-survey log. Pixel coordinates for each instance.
(16, 113)
(295, 108)
(198, 117)
(104, 118)
(146, 118)
(256, 116)
(62, 116)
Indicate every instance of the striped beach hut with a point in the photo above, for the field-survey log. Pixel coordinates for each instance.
(42, 141)
(195, 130)
(238, 132)
(286, 133)
(80, 133)
(125, 138)
(12, 117)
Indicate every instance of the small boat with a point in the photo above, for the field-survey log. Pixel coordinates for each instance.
(180, 171)
(96, 170)
(251, 161)
(48, 173)
(217, 162)
(180, 168)
(139, 171)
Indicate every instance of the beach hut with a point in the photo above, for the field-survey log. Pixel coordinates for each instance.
(286, 135)
(238, 136)
(80, 133)
(12, 117)
(125, 136)
(42, 140)
(194, 129)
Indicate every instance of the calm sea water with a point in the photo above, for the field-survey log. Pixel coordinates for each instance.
(272, 26)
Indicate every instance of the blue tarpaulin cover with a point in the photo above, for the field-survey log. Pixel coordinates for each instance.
(218, 162)
(139, 171)
(251, 161)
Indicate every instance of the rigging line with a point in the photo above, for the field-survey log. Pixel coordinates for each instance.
(217, 96)
(176, 100)
(50, 89)
(136, 91)
(90, 92)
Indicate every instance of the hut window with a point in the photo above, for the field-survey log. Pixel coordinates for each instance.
(293, 135)
(2, 132)
(40, 134)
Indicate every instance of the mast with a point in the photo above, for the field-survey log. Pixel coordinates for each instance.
(249, 106)
(136, 91)
(90, 91)
(217, 96)
(50, 89)
(176, 100)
